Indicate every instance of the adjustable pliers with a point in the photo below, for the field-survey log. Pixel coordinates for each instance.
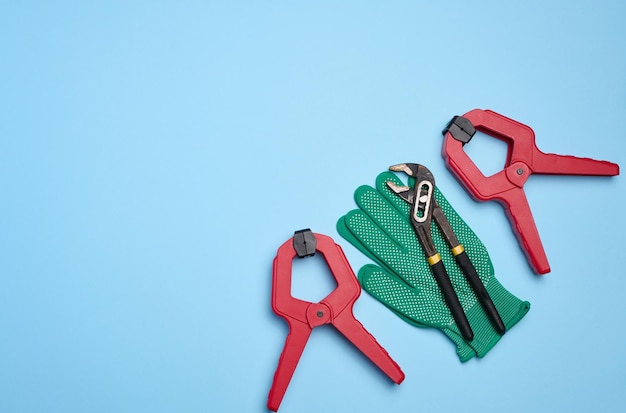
(424, 208)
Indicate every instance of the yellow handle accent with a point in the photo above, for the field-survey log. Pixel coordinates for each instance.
(457, 250)
(434, 259)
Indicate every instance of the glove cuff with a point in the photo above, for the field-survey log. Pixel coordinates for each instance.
(511, 310)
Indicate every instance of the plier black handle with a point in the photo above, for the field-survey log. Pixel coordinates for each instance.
(424, 208)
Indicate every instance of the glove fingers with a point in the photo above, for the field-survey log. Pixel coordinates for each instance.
(372, 236)
(409, 302)
(407, 262)
(345, 232)
(384, 214)
(383, 228)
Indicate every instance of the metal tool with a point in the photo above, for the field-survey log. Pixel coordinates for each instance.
(303, 316)
(507, 186)
(424, 208)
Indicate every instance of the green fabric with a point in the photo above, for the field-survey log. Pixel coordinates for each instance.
(402, 279)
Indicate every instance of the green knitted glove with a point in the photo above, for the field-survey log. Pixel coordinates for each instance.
(403, 281)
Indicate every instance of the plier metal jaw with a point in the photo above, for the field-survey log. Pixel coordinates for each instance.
(422, 202)
(424, 208)
(336, 309)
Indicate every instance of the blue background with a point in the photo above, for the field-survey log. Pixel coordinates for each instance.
(154, 155)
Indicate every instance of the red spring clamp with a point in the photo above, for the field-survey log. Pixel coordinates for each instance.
(335, 309)
(506, 186)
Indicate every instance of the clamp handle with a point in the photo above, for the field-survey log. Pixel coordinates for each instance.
(521, 218)
(362, 339)
(295, 342)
